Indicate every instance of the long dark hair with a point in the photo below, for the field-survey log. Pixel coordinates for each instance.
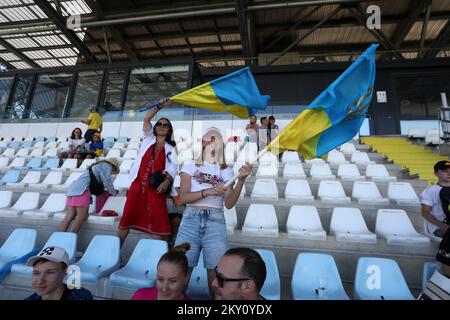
(169, 135)
(72, 136)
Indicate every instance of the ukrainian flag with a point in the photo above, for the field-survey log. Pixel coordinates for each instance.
(335, 116)
(235, 93)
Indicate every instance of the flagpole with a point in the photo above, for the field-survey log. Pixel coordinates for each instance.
(236, 176)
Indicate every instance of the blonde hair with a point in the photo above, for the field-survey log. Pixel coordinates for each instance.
(220, 156)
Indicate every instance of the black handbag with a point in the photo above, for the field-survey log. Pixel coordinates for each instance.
(158, 177)
(95, 187)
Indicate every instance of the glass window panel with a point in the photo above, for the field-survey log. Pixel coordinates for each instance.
(21, 93)
(86, 92)
(149, 84)
(112, 106)
(50, 95)
(5, 89)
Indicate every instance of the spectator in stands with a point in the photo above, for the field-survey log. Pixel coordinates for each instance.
(272, 123)
(252, 130)
(76, 145)
(152, 174)
(240, 275)
(264, 133)
(94, 123)
(203, 190)
(171, 277)
(434, 198)
(95, 147)
(79, 193)
(49, 270)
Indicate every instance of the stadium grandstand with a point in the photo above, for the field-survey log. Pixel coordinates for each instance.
(319, 224)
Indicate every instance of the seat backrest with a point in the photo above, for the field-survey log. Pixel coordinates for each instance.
(54, 177)
(70, 163)
(348, 220)
(376, 170)
(12, 176)
(272, 286)
(4, 162)
(55, 202)
(348, 169)
(19, 243)
(34, 163)
(113, 153)
(51, 163)
(5, 198)
(401, 190)
(103, 250)
(298, 187)
(335, 156)
(73, 176)
(198, 283)
(133, 145)
(320, 169)
(359, 156)
(316, 277)
(27, 201)
(262, 215)
(9, 152)
(32, 177)
(51, 145)
(39, 145)
(65, 240)
(118, 145)
(394, 221)
(146, 256)
(304, 217)
(115, 203)
(265, 186)
(37, 153)
(290, 156)
(365, 189)
(268, 158)
(130, 154)
(17, 162)
(23, 152)
(330, 189)
(348, 148)
(126, 165)
(391, 284)
(86, 163)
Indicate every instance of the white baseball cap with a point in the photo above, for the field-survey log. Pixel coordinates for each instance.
(54, 254)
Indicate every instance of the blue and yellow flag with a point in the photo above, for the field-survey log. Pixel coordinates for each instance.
(335, 116)
(235, 93)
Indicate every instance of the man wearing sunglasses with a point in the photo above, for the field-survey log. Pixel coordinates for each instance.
(240, 275)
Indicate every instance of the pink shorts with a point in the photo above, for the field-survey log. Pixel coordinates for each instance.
(80, 201)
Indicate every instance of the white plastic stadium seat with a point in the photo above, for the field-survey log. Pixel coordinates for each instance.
(268, 170)
(27, 201)
(293, 170)
(265, 189)
(69, 164)
(268, 157)
(122, 182)
(347, 148)
(30, 177)
(304, 223)
(332, 192)
(125, 166)
(395, 226)
(298, 190)
(260, 221)
(84, 165)
(290, 157)
(378, 172)
(64, 187)
(113, 203)
(336, 157)
(349, 226)
(56, 202)
(366, 192)
(230, 219)
(403, 193)
(321, 171)
(362, 158)
(52, 178)
(349, 172)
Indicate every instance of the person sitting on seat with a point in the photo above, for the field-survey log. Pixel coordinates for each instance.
(240, 275)
(49, 270)
(171, 277)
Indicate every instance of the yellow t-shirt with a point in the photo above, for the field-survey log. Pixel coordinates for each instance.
(96, 121)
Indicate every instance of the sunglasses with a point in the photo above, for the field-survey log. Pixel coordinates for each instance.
(162, 125)
(221, 280)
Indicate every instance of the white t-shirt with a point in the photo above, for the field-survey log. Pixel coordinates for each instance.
(204, 177)
(76, 142)
(430, 197)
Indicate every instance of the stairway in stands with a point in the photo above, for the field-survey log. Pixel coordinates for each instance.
(418, 160)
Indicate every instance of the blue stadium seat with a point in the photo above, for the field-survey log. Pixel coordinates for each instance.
(271, 289)
(66, 240)
(50, 163)
(122, 139)
(19, 246)
(428, 270)
(33, 164)
(27, 144)
(198, 284)
(109, 139)
(51, 138)
(12, 176)
(380, 279)
(40, 138)
(100, 259)
(316, 277)
(15, 144)
(140, 271)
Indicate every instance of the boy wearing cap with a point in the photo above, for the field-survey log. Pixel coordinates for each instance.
(49, 270)
(431, 200)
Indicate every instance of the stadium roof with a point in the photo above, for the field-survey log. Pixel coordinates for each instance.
(34, 33)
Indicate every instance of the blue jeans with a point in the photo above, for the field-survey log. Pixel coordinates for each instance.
(203, 229)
